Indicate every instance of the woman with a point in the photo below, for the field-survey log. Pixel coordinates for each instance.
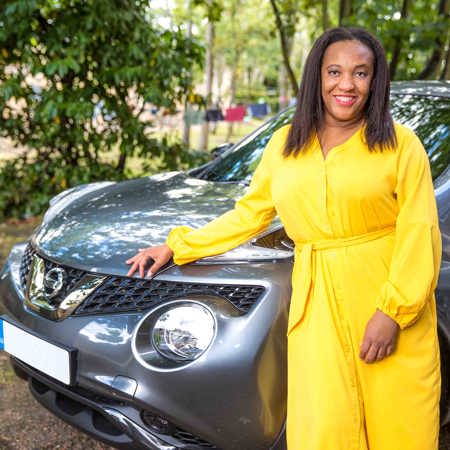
(354, 193)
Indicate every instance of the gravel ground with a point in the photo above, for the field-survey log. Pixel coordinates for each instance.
(25, 425)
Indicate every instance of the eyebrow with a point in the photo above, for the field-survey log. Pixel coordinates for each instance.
(356, 67)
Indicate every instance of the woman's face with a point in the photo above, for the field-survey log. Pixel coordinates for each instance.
(347, 71)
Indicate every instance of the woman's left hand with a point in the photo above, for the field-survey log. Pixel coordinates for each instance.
(379, 339)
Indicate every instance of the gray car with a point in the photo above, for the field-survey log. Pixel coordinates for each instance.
(195, 357)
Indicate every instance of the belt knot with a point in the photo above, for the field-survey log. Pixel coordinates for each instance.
(303, 252)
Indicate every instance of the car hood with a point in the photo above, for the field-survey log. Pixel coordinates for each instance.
(99, 228)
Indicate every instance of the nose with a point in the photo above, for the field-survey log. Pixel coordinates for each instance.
(346, 82)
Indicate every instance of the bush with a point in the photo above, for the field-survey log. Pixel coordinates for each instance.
(28, 183)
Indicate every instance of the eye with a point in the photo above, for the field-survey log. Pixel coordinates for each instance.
(361, 74)
(333, 72)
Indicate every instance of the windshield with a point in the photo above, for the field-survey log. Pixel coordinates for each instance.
(429, 117)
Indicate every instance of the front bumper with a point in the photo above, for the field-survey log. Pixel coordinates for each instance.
(101, 418)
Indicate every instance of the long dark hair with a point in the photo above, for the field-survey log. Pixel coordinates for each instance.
(309, 114)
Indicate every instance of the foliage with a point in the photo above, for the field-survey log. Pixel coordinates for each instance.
(28, 183)
(78, 78)
(417, 33)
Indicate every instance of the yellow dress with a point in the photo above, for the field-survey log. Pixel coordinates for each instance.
(366, 236)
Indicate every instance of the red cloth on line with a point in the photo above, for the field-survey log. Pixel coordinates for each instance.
(235, 114)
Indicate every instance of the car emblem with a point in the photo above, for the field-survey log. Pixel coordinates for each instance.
(54, 281)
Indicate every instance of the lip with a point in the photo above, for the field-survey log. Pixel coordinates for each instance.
(345, 100)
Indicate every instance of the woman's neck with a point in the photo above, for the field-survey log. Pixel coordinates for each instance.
(333, 134)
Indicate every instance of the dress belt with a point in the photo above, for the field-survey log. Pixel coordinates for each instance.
(303, 258)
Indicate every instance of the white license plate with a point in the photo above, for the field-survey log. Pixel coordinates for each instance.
(38, 353)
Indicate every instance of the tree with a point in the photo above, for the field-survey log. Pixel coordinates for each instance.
(94, 59)
(286, 16)
(433, 65)
(213, 11)
(445, 74)
(77, 78)
(345, 11)
(395, 58)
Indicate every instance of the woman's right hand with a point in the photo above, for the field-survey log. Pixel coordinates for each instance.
(159, 254)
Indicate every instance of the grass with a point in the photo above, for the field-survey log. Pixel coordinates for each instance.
(217, 136)
(240, 130)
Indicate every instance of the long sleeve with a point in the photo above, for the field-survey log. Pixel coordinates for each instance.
(251, 215)
(415, 263)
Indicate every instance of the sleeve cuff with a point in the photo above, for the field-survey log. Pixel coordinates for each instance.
(392, 303)
(178, 246)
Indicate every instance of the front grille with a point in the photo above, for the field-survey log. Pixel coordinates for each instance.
(120, 294)
(25, 265)
(190, 439)
(73, 277)
(131, 294)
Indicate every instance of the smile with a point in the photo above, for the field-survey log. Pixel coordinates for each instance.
(345, 100)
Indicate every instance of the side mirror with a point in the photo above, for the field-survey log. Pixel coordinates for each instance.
(220, 149)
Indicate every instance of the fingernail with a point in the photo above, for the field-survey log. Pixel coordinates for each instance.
(150, 274)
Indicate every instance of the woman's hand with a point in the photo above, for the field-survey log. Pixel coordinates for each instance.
(379, 339)
(159, 254)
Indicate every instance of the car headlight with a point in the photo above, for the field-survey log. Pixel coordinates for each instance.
(183, 333)
(271, 245)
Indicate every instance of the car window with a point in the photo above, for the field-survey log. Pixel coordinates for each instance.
(429, 117)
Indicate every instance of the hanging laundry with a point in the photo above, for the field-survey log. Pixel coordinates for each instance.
(258, 110)
(213, 115)
(235, 114)
(193, 116)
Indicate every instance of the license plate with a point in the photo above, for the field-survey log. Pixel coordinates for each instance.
(51, 359)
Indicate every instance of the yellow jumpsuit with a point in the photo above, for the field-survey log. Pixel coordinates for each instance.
(366, 233)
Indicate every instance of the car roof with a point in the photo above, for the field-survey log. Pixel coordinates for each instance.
(422, 87)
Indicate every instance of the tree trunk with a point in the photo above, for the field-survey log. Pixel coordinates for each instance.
(345, 10)
(187, 105)
(233, 87)
(122, 161)
(432, 67)
(203, 145)
(283, 81)
(284, 47)
(445, 74)
(325, 15)
(398, 43)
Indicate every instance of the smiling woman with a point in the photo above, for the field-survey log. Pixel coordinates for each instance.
(355, 194)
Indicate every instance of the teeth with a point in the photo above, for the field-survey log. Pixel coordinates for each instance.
(345, 99)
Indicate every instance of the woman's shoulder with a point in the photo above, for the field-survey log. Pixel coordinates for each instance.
(408, 143)
(281, 133)
(404, 134)
(277, 141)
